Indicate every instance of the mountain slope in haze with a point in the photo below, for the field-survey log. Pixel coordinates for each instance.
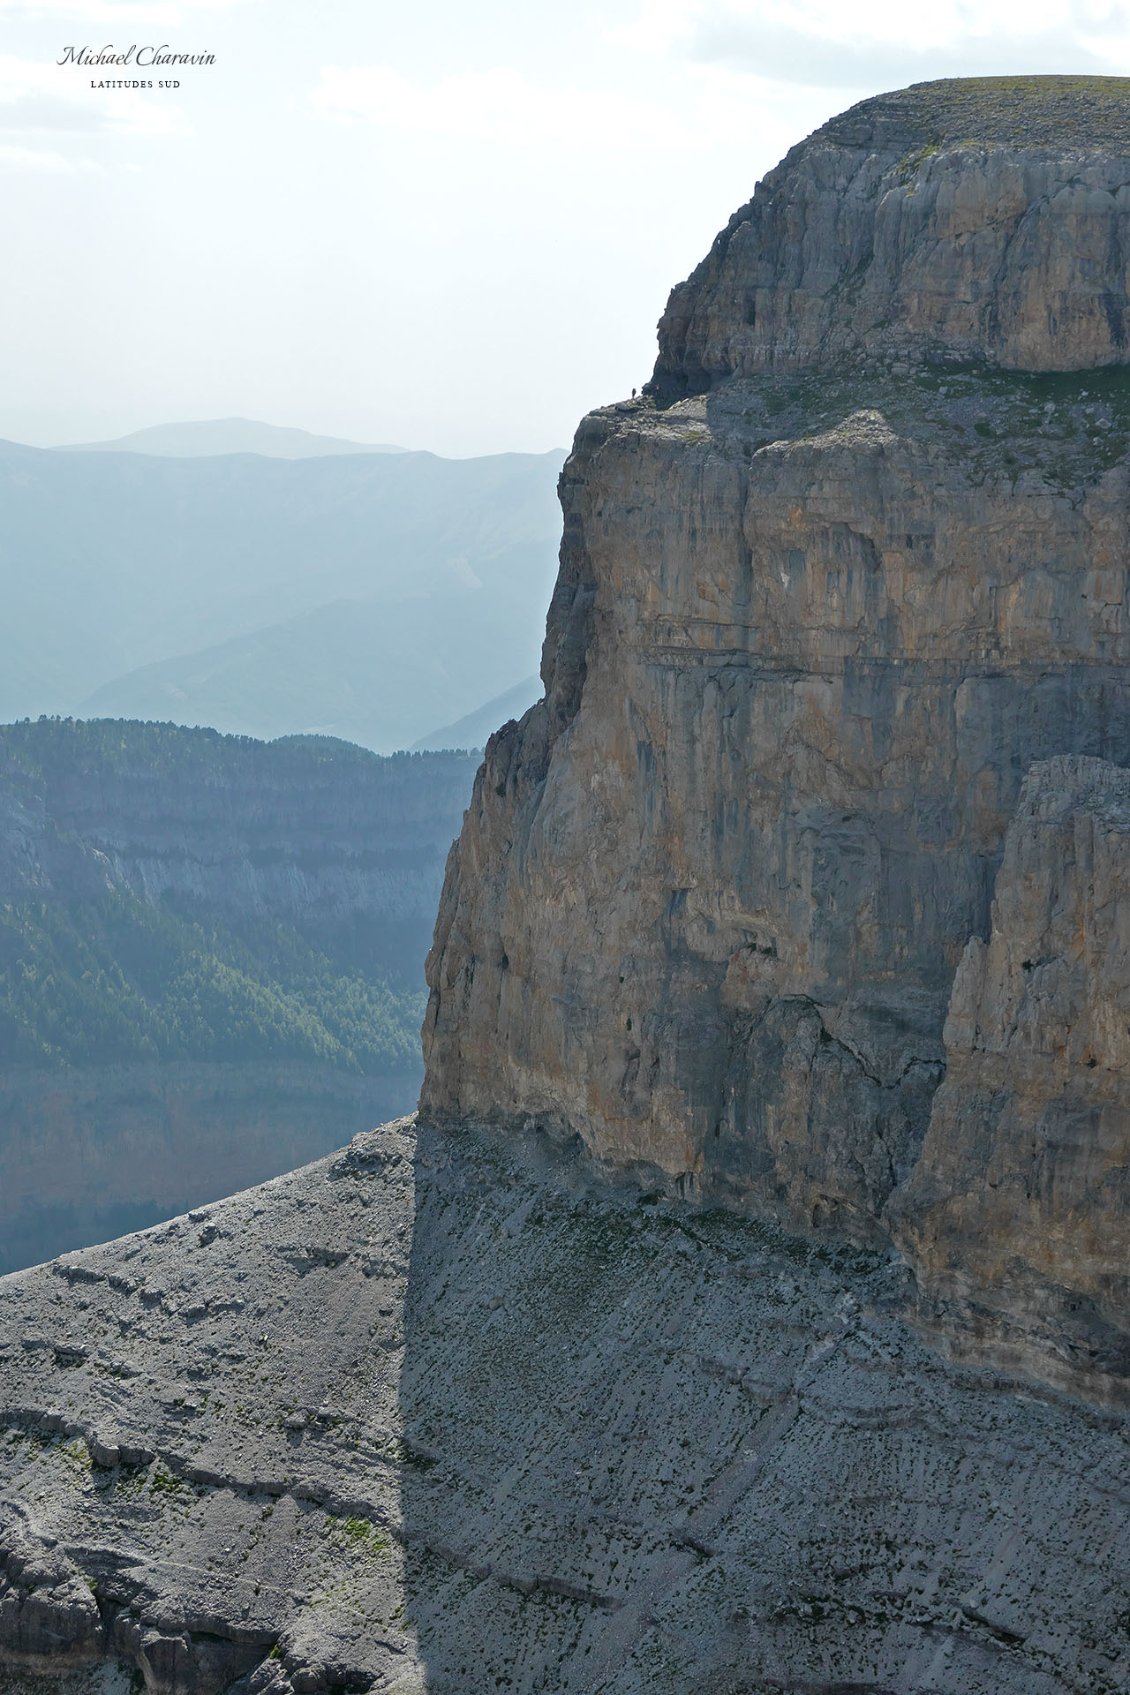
(116, 564)
(476, 728)
(211, 961)
(212, 436)
(368, 673)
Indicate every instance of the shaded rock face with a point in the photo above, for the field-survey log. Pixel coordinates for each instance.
(1019, 1208)
(445, 1413)
(812, 628)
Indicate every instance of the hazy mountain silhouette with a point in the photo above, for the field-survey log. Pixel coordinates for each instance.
(367, 672)
(474, 729)
(214, 436)
(372, 596)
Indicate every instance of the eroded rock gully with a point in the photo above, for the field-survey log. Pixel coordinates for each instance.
(779, 1005)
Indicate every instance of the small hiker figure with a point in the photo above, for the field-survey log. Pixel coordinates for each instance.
(633, 394)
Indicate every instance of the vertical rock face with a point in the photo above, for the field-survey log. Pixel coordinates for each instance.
(1018, 1213)
(855, 562)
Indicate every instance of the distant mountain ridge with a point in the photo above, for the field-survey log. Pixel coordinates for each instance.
(371, 596)
(211, 954)
(213, 437)
(474, 730)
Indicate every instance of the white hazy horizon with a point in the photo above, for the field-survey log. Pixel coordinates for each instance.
(443, 227)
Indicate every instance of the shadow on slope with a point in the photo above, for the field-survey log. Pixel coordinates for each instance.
(653, 1450)
(455, 1418)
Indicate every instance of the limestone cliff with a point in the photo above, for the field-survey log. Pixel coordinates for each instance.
(981, 219)
(856, 562)
(466, 1407)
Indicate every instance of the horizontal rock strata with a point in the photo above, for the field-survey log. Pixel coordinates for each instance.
(326, 840)
(980, 219)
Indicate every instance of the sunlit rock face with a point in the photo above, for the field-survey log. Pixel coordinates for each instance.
(815, 621)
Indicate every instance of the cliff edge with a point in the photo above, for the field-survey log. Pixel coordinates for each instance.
(980, 218)
(828, 592)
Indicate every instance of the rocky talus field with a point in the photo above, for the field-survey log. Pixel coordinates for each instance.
(451, 1412)
(746, 1310)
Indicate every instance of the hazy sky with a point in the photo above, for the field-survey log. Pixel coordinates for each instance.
(447, 225)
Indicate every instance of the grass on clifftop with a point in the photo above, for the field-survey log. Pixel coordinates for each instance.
(1066, 427)
(1030, 111)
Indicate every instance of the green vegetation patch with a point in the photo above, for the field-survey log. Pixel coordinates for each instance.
(95, 972)
(163, 1482)
(116, 980)
(359, 1535)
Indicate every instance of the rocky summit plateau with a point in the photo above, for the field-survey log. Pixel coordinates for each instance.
(747, 1308)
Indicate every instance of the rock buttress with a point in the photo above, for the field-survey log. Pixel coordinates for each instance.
(1017, 1215)
(811, 630)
